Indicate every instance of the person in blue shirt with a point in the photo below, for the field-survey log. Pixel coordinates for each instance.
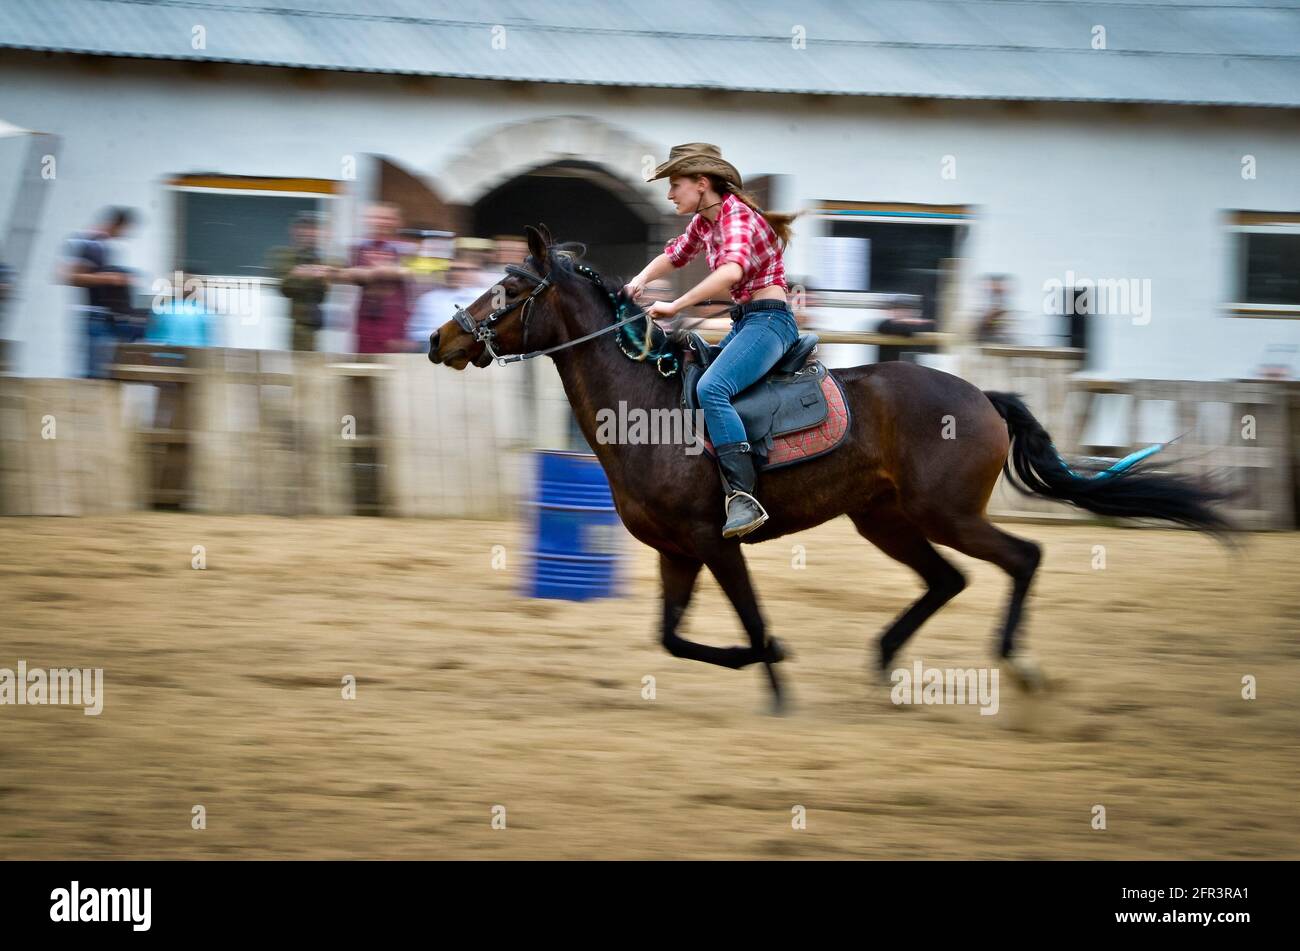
(107, 313)
(180, 323)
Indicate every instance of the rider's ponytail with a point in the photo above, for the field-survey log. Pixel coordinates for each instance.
(780, 221)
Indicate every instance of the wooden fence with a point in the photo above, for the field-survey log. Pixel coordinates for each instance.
(245, 431)
(1042, 376)
(273, 432)
(64, 449)
(1240, 433)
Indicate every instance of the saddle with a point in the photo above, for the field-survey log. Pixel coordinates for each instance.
(790, 398)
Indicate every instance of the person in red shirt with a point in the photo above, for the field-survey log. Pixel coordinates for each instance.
(376, 264)
(743, 246)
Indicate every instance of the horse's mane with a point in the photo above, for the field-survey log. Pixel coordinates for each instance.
(566, 257)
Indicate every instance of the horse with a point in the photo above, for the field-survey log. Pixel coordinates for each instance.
(920, 459)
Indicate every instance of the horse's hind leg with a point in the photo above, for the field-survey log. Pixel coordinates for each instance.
(891, 532)
(1018, 557)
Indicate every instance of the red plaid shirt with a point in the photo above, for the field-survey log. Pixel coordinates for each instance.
(741, 235)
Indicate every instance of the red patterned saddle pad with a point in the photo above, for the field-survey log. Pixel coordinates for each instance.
(812, 442)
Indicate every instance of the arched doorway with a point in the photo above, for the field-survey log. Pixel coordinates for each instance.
(581, 177)
(577, 201)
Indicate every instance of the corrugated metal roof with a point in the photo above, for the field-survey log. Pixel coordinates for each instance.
(1229, 52)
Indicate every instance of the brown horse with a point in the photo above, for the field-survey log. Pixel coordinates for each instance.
(916, 469)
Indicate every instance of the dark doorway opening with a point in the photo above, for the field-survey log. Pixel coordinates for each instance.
(577, 201)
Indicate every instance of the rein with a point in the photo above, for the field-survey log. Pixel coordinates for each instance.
(483, 331)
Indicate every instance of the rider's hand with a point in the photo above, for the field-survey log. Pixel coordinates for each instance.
(662, 309)
(635, 288)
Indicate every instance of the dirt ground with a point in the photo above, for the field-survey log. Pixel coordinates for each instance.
(223, 688)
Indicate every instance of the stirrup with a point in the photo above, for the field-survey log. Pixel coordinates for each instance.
(743, 529)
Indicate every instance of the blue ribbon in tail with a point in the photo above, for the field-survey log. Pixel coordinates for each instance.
(1132, 459)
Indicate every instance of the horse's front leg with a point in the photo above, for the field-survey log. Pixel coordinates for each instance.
(728, 565)
(679, 575)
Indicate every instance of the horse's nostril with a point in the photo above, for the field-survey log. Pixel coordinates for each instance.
(433, 347)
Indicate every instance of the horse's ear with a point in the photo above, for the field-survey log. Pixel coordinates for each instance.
(546, 234)
(537, 245)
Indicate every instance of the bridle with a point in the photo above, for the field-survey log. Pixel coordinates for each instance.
(484, 332)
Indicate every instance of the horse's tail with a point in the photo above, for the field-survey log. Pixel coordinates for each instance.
(1124, 490)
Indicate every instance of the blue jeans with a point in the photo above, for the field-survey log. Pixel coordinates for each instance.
(103, 334)
(758, 338)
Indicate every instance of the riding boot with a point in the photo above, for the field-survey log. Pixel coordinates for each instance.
(736, 466)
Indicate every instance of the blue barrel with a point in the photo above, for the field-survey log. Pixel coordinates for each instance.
(576, 531)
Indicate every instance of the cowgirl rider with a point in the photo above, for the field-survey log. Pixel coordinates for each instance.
(743, 246)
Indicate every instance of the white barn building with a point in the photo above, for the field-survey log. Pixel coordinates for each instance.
(1152, 146)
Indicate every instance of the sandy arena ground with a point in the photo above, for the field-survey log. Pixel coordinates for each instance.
(223, 688)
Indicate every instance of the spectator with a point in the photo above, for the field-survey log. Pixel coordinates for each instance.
(508, 249)
(904, 317)
(376, 266)
(108, 314)
(435, 307)
(304, 278)
(6, 294)
(430, 257)
(481, 254)
(6, 284)
(994, 322)
(179, 322)
(903, 320)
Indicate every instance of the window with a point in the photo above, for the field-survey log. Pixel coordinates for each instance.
(1266, 278)
(226, 226)
(889, 248)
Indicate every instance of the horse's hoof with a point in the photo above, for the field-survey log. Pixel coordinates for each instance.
(776, 652)
(1026, 672)
(883, 667)
(881, 672)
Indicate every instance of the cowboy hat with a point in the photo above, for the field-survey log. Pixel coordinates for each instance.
(697, 158)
